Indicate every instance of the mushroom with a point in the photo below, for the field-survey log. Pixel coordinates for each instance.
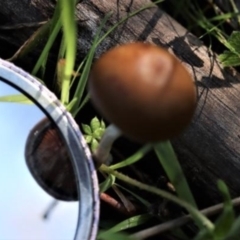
(49, 162)
(144, 91)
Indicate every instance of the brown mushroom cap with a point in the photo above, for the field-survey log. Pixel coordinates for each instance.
(144, 90)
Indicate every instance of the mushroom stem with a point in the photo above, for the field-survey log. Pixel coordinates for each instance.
(102, 153)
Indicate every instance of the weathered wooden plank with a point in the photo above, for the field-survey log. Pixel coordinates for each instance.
(210, 148)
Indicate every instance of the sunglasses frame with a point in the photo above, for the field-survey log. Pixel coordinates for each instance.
(87, 181)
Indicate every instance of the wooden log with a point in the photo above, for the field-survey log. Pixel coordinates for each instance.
(209, 150)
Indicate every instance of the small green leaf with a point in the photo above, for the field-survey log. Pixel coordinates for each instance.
(95, 124)
(109, 181)
(234, 41)
(102, 124)
(98, 133)
(229, 59)
(88, 138)
(94, 145)
(86, 129)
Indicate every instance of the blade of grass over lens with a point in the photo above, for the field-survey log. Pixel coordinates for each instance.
(16, 98)
(70, 39)
(169, 162)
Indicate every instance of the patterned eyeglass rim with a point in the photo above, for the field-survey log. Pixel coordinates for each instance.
(88, 216)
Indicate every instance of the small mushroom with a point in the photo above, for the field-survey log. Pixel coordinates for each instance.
(49, 162)
(144, 91)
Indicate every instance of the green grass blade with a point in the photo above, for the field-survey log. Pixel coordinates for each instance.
(205, 235)
(168, 160)
(234, 232)
(71, 104)
(62, 49)
(84, 101)
(134, 158)
(226, 219)
(109, 181)
(225, 16)
(130, 223)
(81, 65)
(32, 42)
(70, 38)
(59, 68)
(16, 98)
(44, 54)
(54, 26)
(140, 199)
(235, 9)
(103, 235)
(84, 76)
(56, 16)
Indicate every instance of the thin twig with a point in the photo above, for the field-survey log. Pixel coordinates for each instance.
(180, 221)
(129, 206)
(115, 204)
(52, 205)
